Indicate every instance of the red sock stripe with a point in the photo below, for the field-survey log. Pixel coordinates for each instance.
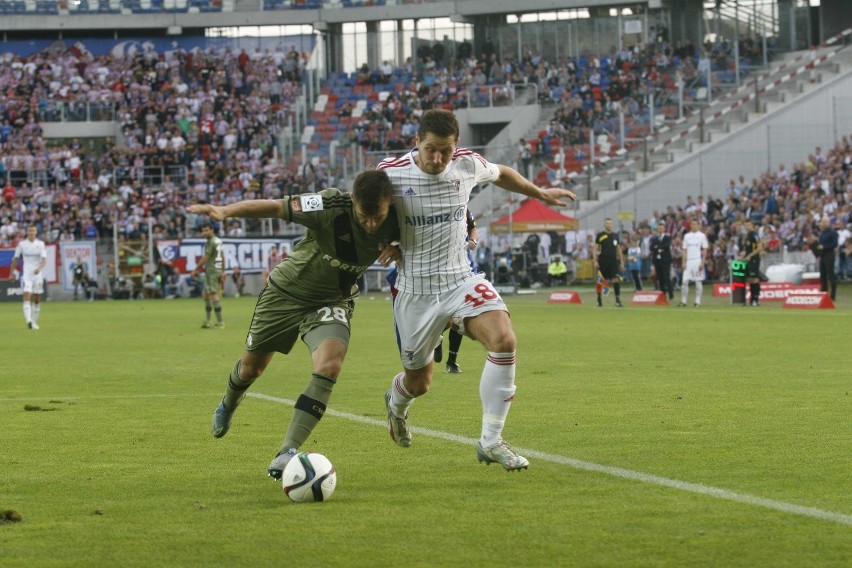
(506, 361)
(399, 388)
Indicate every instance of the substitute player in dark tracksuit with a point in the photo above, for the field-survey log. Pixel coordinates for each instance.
(609, 260)
(750, 249)
(310, 295)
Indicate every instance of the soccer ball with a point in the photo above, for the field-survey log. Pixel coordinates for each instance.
(309, 477)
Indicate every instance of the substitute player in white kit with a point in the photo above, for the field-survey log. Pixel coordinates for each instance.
(34, 254)
(695, 247)
(432, 185)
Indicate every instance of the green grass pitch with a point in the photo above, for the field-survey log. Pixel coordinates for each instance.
(657, 436)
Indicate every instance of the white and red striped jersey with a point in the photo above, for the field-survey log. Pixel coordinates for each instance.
(432, 219)
(693, 243)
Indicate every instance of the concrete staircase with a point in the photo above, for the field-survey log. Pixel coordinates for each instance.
(788, 79)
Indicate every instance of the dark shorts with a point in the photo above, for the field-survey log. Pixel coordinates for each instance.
(753, 268)
(278, 322)
(213, 282)
(609, 269)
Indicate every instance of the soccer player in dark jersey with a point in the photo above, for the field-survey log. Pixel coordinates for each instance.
(750, 248)
(311, 293)
(213, 263)
(609, 260)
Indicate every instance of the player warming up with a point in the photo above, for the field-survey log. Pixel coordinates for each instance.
(432, 185)
(213, 263)
(34, 254)
(310, 295)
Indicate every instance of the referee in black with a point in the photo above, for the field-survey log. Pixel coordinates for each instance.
(609, 260)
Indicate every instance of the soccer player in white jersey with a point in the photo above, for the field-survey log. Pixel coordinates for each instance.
(34, 254)
(695, 247)
(432, 185)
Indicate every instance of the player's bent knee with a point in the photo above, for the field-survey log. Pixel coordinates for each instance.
(250, 370)
(330, 368)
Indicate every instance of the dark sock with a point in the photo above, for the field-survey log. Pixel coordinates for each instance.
(616, 286)
(455, 343)
(236, 388)
(217, 307)
(208, 308)
(309, 410)
(755, 291)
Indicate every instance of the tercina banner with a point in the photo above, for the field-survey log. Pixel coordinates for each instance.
(251, 255)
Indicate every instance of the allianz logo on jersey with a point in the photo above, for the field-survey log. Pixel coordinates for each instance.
(424, 220)
(345, 266)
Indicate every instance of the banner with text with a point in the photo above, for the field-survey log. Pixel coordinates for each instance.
(251, 255)
(70, 254)
(770, 291)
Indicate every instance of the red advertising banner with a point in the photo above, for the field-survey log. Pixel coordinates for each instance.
(651, 298)
(770, 291)
(564, 297)
(819, 301)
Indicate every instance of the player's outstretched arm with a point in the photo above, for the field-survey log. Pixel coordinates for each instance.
(511, 180)
(252, 208)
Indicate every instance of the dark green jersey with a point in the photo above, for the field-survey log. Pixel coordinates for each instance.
(335, 251)
(215, 258)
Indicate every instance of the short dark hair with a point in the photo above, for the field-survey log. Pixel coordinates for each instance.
(371, 189)
(439, 122)
(205, 225)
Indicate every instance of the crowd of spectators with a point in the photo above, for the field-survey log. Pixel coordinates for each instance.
(202, 125)
(786, 207)
(199, 124)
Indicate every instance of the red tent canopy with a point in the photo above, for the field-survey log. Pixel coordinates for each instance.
(533, 216)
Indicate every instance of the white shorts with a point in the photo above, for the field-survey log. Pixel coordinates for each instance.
(32, 284)
(692, 272)
(420, 318)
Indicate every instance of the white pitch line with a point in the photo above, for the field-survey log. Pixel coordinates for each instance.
(608, 470)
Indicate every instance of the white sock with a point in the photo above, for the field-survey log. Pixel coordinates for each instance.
(699, 288)
(401, 399)
(496, 390)
(36, 310)
(684, 291)
(27, 312)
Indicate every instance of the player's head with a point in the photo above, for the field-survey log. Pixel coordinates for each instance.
(608, 225)
(748, 225)
(372, 196)
(207, 229)
(695, 224)
(825, 222)
(32, 232)
(661, 229)
(436, 140)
